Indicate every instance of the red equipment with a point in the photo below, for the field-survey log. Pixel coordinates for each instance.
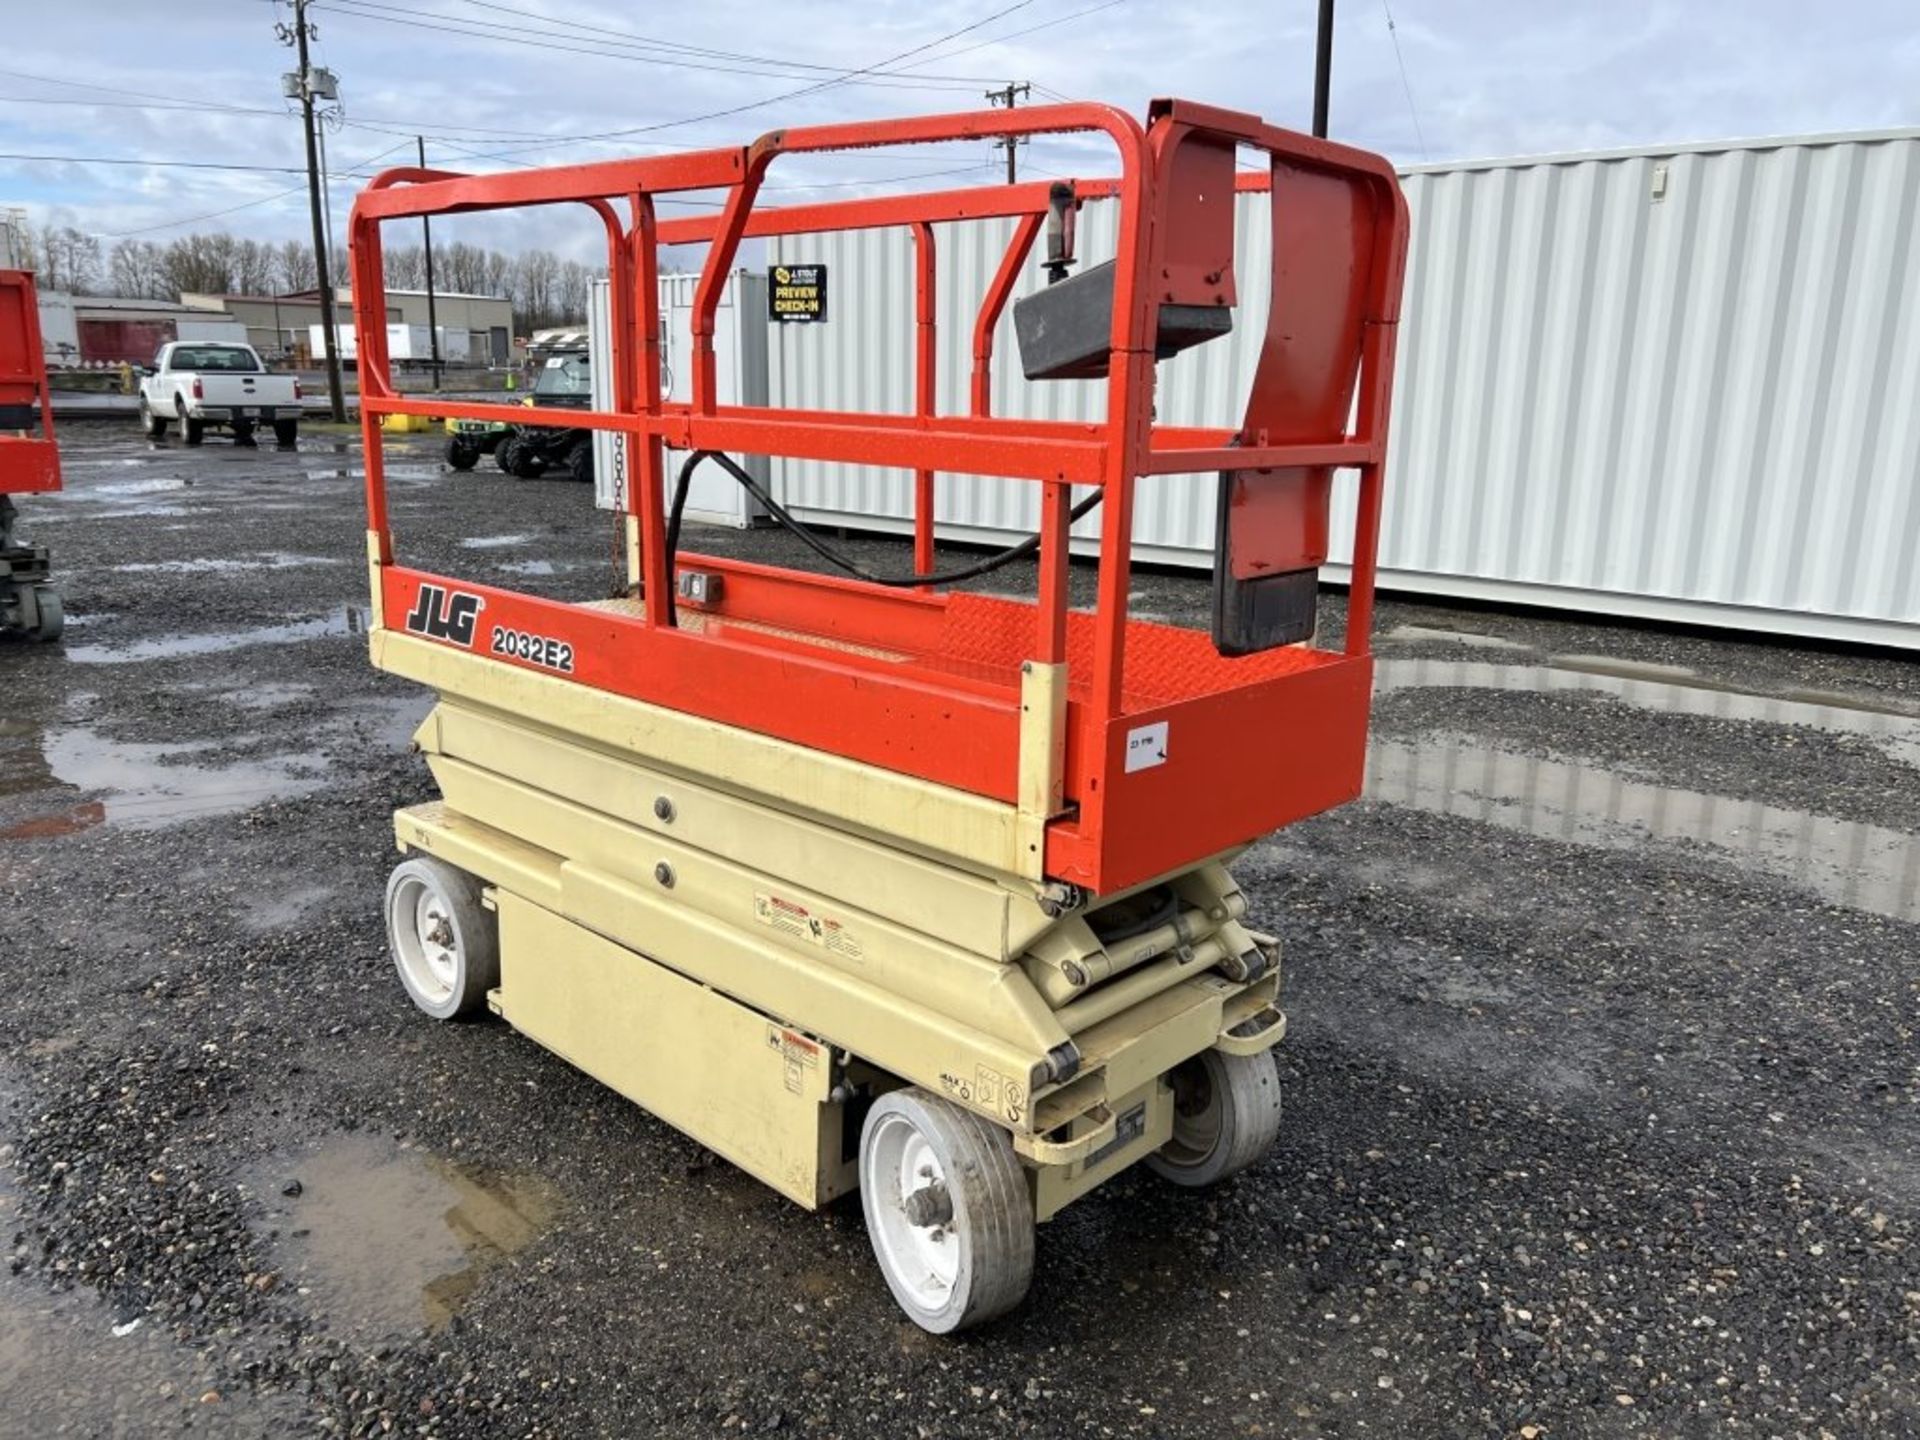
(29, 461)
(1175, 747)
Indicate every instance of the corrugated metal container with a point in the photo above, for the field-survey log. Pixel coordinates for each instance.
(740, 370)
(1674, 382)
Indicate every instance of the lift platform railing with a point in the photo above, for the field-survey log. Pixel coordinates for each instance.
(29, 458)
(1126, 748)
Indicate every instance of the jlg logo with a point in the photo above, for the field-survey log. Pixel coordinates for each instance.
(443, 616)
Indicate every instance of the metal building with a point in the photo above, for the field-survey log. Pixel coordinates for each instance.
(1673, 382)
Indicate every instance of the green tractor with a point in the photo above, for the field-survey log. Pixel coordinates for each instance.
(468, 440)
(564, 381)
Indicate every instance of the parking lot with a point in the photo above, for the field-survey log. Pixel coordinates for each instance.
(1603, 1081)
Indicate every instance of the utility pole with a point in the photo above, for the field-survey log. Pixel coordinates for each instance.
(426, 232)
(1005, 97)
(1322, 68)
(306, 85)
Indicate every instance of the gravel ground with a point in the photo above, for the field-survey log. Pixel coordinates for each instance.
(1603, 1081)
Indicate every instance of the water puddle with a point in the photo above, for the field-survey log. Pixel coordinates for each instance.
(493, 542)
(1863, 867)
(269, 695)
(69, 1364)
(144, 786)
(1417, 634)
(526, 567)
(348, 620)
(1664, 688)
(1858, 865)
(153, 485)
(386, 1240)
(226, 564)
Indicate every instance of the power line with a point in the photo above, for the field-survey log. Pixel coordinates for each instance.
(632, 46)
(160, 164)
(551, 40)
(244, 205)
(1393, 34)
(790, 94)
(654, 42)
(93, 104)
(1014, 34)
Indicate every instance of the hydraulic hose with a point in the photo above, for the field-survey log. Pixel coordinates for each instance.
(684, 481)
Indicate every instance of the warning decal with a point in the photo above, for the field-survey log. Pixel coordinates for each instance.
(800, 923)
(796, 1052)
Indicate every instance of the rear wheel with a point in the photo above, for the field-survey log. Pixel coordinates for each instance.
(580, 462)
(53, 615)
(1226, 1114)
(445, 944)
(194, 430)
(286, 433)
(948, 1210)
(462, 453)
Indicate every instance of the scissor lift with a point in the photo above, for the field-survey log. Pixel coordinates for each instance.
(29, 462)
(868, 883)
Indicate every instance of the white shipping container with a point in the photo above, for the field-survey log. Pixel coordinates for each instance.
(1672, 382)
(740, 353)
(211, 332)
(411, 343)
(59, 328)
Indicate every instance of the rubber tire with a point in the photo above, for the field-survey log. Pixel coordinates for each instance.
(243, 434)
(476, 937)
(992, 1208)
(462, 454)
(286, 433)
(193, 431)
(504, 452)
(53, 615)
(155, 425)
(580, 462)
(528, 462)
(1248, 1087)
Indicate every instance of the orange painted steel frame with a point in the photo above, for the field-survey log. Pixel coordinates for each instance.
(929, 683)
(29, 464)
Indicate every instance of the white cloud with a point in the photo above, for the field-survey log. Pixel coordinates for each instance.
(1491, 78)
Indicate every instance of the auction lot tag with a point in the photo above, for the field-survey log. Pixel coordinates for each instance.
(797, 293)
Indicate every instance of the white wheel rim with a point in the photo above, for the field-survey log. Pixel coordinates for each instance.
(424, 938)
(923, 1259)
(1198, 1116)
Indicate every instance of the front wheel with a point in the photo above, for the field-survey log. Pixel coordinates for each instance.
(506, 453)
(445, 943)
(462, 453)
(948, 1211)
(1226, 1115)
(154, 425)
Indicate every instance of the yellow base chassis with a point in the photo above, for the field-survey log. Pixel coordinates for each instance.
(755, 974)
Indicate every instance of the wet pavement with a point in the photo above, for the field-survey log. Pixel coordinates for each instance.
(1603, 1075)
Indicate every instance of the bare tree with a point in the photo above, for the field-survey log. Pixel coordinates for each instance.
(253, 267)
(293, 266)
(406, 266)
(69, 260)
(200, 263)
(134, 269)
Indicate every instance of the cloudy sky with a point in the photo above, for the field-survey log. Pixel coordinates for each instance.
(503, 82)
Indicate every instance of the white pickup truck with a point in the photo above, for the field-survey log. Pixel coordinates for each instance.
(202, 383)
